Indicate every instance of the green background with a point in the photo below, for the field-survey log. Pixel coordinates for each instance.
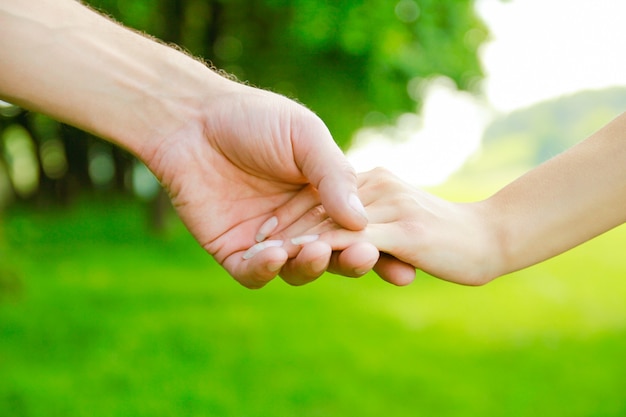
(100, 318)
(103, 315)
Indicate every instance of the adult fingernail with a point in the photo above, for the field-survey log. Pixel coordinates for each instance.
(301, 240)
(266, 228)
(261, 246)
(356, 205)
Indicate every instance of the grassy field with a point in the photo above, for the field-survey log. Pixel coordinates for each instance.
(100, 318)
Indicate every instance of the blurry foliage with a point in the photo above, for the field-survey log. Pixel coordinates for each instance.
(345, 59)
(353, 62)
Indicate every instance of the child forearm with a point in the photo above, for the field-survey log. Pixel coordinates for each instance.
(564, 202)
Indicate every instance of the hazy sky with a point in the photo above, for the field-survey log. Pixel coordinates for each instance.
(545, 48)
(539, 49)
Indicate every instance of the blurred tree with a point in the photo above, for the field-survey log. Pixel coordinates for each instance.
(353, 62)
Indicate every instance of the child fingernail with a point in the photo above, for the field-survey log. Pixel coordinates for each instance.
(301, 240)
(266, 228)
(261, 246)
(356, 205)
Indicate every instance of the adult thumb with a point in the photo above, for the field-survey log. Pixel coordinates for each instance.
(327, 169)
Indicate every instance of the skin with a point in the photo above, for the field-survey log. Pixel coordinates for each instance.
(228, 154)
(562, 203)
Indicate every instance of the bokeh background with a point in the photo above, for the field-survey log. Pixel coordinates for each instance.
(109, 308)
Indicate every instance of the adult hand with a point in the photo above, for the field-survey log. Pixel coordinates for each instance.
(246, 153)
(227, 153)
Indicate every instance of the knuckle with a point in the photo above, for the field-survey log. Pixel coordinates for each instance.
(317, 214)
(381, 172)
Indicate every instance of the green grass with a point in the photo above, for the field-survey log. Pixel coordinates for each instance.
(100, 318)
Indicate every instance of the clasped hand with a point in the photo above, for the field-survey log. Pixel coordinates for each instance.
(411, 228)
(245, 155)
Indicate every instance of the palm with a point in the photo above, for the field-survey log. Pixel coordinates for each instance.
(225, 178)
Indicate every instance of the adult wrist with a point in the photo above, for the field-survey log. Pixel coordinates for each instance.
(175, 103)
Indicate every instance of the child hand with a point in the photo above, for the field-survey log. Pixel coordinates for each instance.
(452, 241)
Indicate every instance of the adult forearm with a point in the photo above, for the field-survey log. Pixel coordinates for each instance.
(63, 59)
(564, 202)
